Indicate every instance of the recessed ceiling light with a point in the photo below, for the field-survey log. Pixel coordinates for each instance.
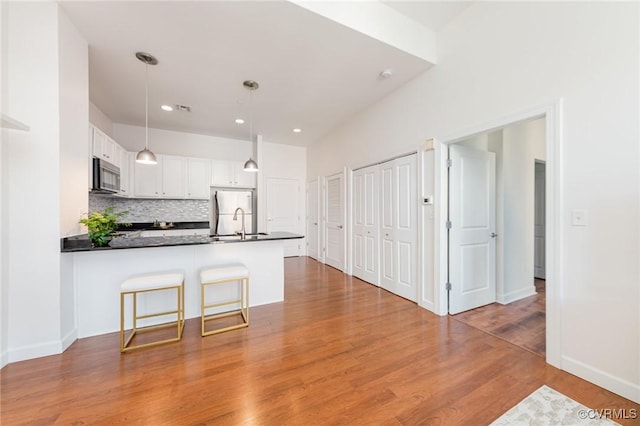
(297, 130)
(167, 107)
(239, 121)
(385, 74)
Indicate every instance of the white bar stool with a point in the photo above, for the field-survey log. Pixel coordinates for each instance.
(220, 275)
(149, 283)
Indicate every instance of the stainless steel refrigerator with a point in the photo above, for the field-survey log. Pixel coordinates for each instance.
(223, 205)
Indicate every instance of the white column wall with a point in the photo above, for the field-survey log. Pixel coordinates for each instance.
(497, 59)
(4, 189)
(74, 151)
(34, 181)
(42, 170)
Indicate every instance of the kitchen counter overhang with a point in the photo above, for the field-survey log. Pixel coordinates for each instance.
(82, 243)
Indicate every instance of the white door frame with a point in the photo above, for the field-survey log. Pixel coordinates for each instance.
(552, 112)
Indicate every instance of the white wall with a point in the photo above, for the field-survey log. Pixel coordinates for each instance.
(74, 151)
(170, 142)
(100, 120)
(288, 162)
(497, 59)
(4, 186)
(34, 183)
(523, 143)
(36, 214)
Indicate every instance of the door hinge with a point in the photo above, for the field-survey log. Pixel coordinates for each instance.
(449, 162)
(448, 224)
(448, 286)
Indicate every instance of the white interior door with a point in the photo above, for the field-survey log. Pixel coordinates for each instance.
(313, 229)
(366, 224)
(539, 221)
(334, 221)
(472, 238)
(283, 200)
(398, 227)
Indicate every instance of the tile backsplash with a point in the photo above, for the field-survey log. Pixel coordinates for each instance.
(146, 210)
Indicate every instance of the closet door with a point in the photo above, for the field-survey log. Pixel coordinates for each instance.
(398, 227)
(366, 224)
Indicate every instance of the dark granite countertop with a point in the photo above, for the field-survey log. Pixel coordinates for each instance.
(81, 242)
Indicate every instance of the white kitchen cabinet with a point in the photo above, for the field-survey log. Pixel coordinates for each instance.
(173, 176)
(231, 174)
(104, 147)
(198, 178)
(147, 179)
(126, 168)
(163, 180)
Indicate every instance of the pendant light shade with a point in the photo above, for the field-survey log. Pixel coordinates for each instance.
(146, 156)
(250, 165)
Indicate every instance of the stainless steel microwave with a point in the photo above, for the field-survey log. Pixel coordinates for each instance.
(106, 176)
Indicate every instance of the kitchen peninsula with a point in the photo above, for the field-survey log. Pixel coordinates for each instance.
(98, 272)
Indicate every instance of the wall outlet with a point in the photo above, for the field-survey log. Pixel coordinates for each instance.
(579, 217)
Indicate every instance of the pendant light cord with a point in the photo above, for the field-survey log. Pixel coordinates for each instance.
(251, 117)
(146, 106)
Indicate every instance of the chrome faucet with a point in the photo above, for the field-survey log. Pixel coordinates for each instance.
(235, 217)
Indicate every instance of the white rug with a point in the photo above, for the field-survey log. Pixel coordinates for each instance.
(546, 407)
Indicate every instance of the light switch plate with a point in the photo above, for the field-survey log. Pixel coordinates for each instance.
(579, 217)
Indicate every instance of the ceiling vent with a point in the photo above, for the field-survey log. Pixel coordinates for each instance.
(183, 108)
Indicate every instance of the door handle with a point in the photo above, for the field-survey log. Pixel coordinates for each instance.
(493, 235)
(339, 226)
(315, 223)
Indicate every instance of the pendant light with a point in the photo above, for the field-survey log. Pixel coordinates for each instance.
(250, 165)
(146, 156)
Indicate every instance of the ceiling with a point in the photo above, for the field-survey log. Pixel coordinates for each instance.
(314, 73)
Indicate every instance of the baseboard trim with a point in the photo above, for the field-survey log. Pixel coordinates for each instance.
(4, 359)
(612, 383)
(428, 305)
(40, 350)
(68, 340)
(34, 351)
(505, 299)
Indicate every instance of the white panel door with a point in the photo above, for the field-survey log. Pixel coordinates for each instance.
(472, 238)
(283, 200)
(366, 207)
(313, 230)
(334, 221)
(539, 227)
(398, 230)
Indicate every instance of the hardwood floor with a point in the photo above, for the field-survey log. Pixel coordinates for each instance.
(521, 323)
(337, 351)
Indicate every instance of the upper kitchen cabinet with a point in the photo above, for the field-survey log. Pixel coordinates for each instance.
(231, 174)
(198, 177)
(103, 147)
(163, 180)
(126, 172)
(172, 177)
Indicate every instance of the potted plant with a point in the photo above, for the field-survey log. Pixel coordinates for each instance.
(101, 225)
